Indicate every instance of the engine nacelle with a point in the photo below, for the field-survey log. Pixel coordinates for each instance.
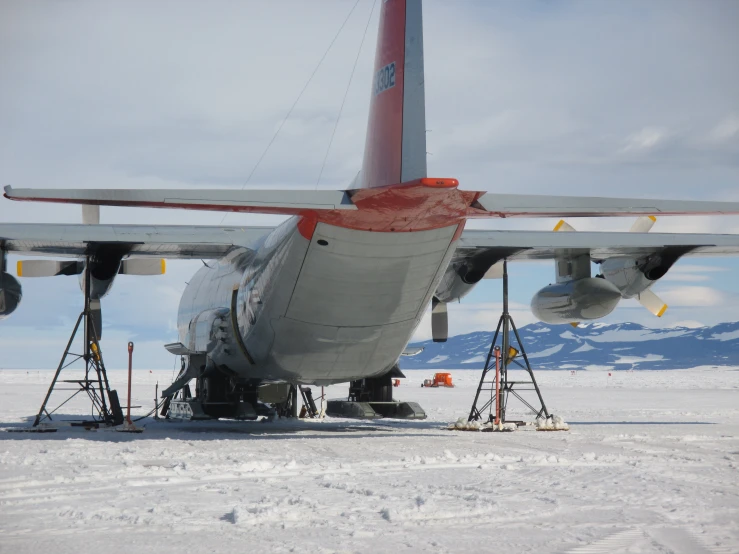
(103, 271)
(577, 300)
(10, 294)
(633, 276)
(452, 286)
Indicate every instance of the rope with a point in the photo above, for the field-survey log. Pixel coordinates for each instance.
(346, 92)
(290, 111)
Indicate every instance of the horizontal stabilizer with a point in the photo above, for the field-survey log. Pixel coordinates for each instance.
(178, 349)
(412, 350)
(139, 266)
(233, 200)
(518, 205)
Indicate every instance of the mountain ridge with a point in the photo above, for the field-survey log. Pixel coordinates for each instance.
(596, 346)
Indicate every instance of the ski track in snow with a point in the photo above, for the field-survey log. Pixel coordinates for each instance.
(649, 465)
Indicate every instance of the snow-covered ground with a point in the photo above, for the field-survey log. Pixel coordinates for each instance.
(649, 465)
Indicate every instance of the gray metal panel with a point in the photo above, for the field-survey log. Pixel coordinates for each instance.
(323, 354)
(413, 165)
(541, 245)
(363, 279)
(513, 205)
(167, 241)
(295, 199)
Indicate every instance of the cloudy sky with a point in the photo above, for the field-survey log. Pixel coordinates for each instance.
(594, 98)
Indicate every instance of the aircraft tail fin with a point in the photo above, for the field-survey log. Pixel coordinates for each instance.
(395, 147)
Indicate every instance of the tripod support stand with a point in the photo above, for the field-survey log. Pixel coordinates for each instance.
(95, 382)
(501, 356)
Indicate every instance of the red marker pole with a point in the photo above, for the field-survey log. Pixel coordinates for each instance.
(130, 366)
(497, 385)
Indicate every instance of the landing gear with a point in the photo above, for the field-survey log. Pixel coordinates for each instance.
(218, 395)
(375, 389)
(372, 398)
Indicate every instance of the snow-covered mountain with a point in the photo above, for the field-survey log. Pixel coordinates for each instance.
(592, 346)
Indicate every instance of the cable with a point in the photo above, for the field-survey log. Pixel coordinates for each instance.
(290, 111)
(346, 93)
(147, 415)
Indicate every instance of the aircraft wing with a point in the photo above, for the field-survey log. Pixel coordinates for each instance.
(162, 241)
(544, 245)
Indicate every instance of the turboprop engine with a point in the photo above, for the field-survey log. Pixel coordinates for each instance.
(10, 289)
(629, 277)
(10, 294)
(575, 300)
(459, 279)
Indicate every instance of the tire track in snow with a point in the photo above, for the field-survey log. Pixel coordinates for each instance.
(611, 543)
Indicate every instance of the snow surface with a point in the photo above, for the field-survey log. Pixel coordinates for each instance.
(635, 335)
(649, 465)
(731, 335)
(586, 347)
(547, 352)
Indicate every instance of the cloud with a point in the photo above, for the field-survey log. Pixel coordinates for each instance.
(726, 130)
(702, 297)
(520, 98)
(646, 139)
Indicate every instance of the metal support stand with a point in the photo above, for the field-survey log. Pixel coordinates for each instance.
(500, 358)
(309, 405)
(95, 382)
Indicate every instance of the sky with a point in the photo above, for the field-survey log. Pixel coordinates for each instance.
(631, 98)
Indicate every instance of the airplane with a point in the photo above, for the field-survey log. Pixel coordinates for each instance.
(335, 292)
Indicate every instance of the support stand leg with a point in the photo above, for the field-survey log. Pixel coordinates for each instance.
(97, 387)
(499, 359)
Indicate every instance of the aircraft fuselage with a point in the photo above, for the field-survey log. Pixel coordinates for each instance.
(338, 306)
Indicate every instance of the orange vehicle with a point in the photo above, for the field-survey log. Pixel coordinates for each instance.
(439, 380)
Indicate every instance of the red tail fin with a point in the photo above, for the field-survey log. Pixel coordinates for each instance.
(395, 148)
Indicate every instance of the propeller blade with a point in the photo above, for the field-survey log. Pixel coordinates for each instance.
(439, 321)
(563, 226)
(495, 271)
(652, 302)
(91, 215)
(97, 317)
(47, 268)
(643, 224)
(143, 266)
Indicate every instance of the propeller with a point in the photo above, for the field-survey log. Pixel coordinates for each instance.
(652, 302)
(643, 225)
(439, 320)
(90, 215)
(646, 298)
